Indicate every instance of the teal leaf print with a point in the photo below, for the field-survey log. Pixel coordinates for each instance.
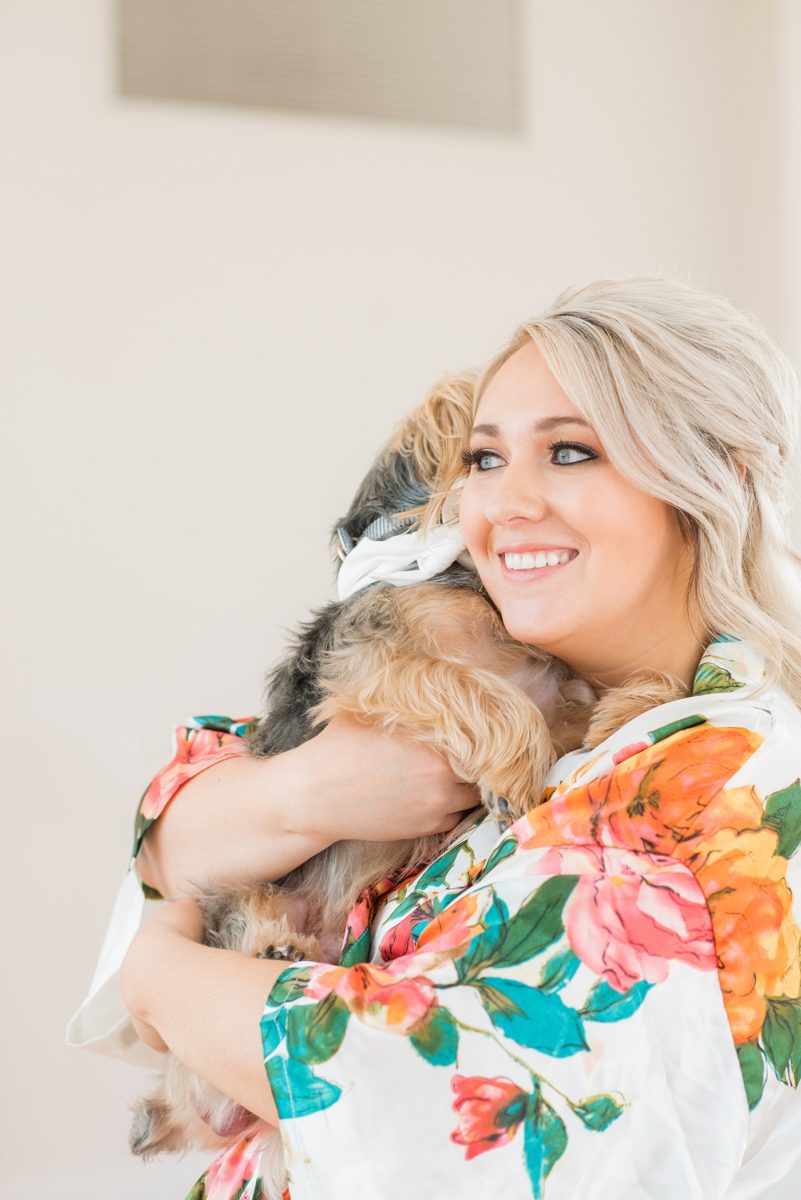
(605, 1004)
(559, 970)
(437, 1040)
(532, 1018)
(483, 949)
(273, 1030)
(752, 1066)
(597, 1112)
(297, 1090)
(783, 814)
(314, 1032)
(544, 1141)
(711, 678)
(501, 851)
(781, 1038)
(290, 985)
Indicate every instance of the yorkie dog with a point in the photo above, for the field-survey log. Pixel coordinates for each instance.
(430, 660)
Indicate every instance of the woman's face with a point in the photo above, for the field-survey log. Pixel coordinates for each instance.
(578, 560)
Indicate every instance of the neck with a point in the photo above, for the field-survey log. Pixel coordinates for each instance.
(673, 651)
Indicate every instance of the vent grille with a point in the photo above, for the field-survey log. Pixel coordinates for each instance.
(438, 62)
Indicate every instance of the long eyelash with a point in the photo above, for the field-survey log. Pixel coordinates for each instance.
(471, 456)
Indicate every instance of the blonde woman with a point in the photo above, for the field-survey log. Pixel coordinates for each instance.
(604, 1001)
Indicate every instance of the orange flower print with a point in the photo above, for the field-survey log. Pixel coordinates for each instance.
(489, 1111)
(376, 995)
(655, 798)
(758, 940)
(630, 914)
(454, 928)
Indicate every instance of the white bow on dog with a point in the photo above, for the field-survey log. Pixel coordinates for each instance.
(402, 559)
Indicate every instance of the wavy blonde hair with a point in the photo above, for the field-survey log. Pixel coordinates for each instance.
(695, 404)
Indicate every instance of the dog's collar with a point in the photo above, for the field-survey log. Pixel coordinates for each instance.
(382, 527)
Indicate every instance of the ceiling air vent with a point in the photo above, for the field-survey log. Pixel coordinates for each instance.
(437, 62)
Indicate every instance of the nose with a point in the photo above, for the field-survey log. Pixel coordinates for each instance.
(518, 495)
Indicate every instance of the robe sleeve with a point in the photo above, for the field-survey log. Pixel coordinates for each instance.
(610, 1008)
(102, 1023)
(199, 743)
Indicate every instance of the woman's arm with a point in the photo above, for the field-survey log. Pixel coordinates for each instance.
(247, 818)
(175, 989)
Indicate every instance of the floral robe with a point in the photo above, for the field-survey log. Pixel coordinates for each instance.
(601, 1002)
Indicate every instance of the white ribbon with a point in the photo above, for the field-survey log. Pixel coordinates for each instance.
(401, 560)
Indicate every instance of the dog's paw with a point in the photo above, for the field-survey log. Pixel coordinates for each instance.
(289, 952)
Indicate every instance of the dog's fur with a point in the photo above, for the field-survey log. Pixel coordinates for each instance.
(431, 661)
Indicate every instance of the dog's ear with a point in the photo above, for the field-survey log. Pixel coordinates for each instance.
(435, 434)
(154, 1129)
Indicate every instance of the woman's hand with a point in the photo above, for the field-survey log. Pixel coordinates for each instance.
(364, 783)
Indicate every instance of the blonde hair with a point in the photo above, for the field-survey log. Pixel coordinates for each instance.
(695, 404)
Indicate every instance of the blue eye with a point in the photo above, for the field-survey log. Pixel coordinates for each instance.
(482, 459)
(561, 451)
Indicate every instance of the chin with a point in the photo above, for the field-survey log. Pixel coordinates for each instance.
(521, 627)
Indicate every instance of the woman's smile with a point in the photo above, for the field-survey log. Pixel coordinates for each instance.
(526, 563)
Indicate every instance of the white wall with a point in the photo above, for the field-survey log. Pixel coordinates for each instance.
(212, 318)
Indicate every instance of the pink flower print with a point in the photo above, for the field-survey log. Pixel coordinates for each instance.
(489, 1111)
(237, 1165)
(630, 914)
(195, 750)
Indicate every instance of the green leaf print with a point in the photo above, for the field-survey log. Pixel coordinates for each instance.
(297, 1090)
(559, 970)
(752, 1065)
(290, 985)
(538, 923)
(711, 678)
(544, 1141)
(314, 1032)
(246, 1193)
(597, 1111)
(531, 1017)
(501, 851)
(437, 1040)
(783, 814)
(781, 1038)
(605, 1004)
(198, 1191)
(437, 873)
(356, 950)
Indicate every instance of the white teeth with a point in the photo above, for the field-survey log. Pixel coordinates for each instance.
(539, 558)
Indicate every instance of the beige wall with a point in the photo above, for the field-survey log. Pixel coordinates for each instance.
(211, 319)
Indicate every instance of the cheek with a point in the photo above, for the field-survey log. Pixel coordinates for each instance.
(471, 520)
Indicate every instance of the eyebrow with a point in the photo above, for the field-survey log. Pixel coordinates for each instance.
(544, 425)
